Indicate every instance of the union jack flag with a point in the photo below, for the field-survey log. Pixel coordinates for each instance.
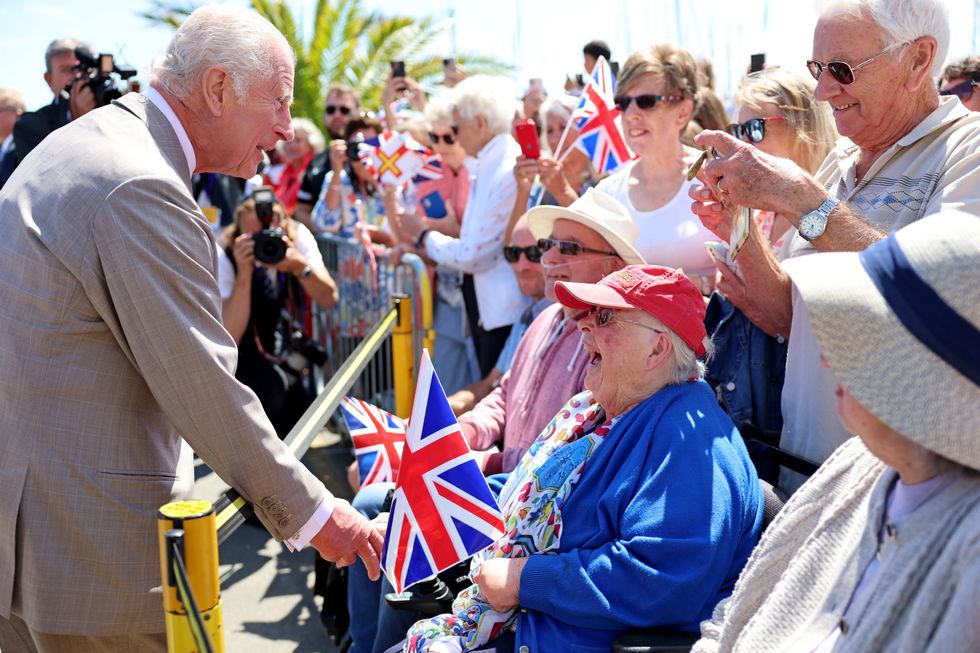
(432, 168)
(392, 160)
(379, 438)
(443, 511)
(600, 127)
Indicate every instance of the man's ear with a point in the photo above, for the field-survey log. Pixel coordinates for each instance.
(47, 78)
(923, 53)
(662, 350)
(217, 90)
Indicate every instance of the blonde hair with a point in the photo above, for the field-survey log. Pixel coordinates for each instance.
(671, 63)
(234, 230)
(304, 128)
(809, 120)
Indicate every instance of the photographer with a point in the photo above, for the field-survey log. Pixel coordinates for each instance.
(264, 278)
(72, 98)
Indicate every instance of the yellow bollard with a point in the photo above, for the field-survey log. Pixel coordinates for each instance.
(403, 357)
(192, 523)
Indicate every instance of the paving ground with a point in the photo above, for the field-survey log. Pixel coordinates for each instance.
(266, 591)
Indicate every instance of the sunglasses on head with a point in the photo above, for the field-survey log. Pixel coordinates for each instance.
(754, 129)
(842, 71)
(569, 248)
(448, 139)
(512, 253)
(963, 90)
(644, 102)
(331, 109)
(603, 317)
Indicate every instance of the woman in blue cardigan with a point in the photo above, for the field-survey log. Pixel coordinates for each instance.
(636, 507)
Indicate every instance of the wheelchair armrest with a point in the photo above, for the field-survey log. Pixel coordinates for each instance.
(655, 640)
(430, 598)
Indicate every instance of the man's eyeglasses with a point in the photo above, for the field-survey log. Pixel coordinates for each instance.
(448, 139)
(513, 253)
(842, 71)
(331, 109)
(603, 317)
(754, 129)
(644, 102)
(569, 248)
(963, 90)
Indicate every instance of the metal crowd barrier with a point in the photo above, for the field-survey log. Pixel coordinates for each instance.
(367, 283)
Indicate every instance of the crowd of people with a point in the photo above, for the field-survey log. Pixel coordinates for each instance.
(619, 360)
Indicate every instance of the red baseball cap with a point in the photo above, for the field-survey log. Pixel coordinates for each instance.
(662, 292)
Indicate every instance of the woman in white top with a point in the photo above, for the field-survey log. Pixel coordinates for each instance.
(657, 92)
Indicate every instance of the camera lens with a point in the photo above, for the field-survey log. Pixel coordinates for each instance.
(270, 248)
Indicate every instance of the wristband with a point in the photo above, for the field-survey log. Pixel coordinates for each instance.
(420, 241)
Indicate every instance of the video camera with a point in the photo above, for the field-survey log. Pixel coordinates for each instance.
(270, 245)
(97, 73)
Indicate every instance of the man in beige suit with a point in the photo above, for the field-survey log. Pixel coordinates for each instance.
(112, 352)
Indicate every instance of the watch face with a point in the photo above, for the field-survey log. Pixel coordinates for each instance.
(812, 225)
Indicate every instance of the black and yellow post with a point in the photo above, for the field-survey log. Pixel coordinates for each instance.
(189, 567)
(403, 357)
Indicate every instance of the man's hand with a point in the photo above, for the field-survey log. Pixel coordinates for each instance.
(338, 155)
(347, 536)
(746, 176)
(499, 581)
(81, 100)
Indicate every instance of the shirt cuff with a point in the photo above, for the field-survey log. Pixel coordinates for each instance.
(312, 526)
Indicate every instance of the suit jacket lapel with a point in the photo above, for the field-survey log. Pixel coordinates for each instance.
(161, 130)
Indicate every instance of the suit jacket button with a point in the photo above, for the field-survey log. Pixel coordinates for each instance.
(266, 502)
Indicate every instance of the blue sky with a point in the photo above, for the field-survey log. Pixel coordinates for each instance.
(543, 38)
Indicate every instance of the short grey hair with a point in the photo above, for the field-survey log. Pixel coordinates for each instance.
(439, 110)
(59, 47)
(490, 97)
(232, 38)
(901, 21)
(304, 128)
(685, 363)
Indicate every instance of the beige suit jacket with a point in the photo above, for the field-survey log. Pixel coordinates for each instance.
(111, 349)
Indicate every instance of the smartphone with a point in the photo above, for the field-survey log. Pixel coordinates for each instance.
(614, 67)
(527, 138)
(580, 80)
(397, 68)
(757, 63)
(433, 205)
(449, 65)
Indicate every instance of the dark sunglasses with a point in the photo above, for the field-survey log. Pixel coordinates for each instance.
(754, 129)
(841, 71)
(513, 253)
(644, 102)
(448, 139)
(605, 316)
(569, 248)
(331, 109)
(963, 90)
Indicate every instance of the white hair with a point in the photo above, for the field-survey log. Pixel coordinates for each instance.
(490, 97)
(235, 39)
(304, 128)
(439, 110)
(901, 21)
(686, 365)
(562, 106)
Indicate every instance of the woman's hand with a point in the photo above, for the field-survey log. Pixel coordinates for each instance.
(499, 581)
(244, 253)
(552, 174)
(292, 262)
(409, 226)
(525, 170)
(338, 155)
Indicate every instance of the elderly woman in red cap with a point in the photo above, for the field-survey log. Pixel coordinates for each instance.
(880, 549)
(637, 506)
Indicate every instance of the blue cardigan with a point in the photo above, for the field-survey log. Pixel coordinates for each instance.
(654, 533)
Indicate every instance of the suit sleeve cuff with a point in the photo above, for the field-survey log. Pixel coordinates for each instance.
(312, 526)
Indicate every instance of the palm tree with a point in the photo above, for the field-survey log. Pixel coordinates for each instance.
(345, 44)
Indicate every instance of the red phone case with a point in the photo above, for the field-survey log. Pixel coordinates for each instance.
(527, 138)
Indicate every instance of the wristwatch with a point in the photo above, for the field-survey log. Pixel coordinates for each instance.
(306, 273)
(420, 241)
(812, 224)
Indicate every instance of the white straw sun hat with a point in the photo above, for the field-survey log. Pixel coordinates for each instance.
(597, 211)
(899, 325)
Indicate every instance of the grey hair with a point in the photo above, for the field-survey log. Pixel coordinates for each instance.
(11, 100)
(490, 97)
(901, 21)
(304, 128)
(439, 110)
(232, 38)
(62, 46)
(563, 105)
(685, 364)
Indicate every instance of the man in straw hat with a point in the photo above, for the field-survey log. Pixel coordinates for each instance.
(880, 549)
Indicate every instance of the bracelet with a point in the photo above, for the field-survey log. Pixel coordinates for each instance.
(420, 241)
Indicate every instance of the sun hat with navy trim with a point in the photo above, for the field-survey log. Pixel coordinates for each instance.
(899, 325)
